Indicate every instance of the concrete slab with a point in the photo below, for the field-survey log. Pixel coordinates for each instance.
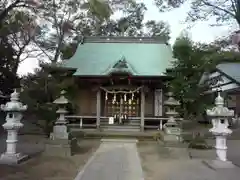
(13, 159)
(217, 164)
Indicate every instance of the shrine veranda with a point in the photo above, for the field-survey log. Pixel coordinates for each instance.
(121, 82)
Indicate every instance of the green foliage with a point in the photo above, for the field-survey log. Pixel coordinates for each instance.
(222, 11)
(130, 25)
(192, 60)
(8, 79)
(98, 9)
(188, 69)
(198, 142)
(158, 29)
(65, 21)
(39, 91)
(157, 137)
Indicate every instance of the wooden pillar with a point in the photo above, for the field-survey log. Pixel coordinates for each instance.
(142, 108)
(158, 102)
(98, 106)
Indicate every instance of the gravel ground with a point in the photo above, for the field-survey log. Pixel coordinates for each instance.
(43, 167)
(162, 163)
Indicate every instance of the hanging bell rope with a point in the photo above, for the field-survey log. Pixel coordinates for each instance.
(125, 97)
(121, 91)
(114, 98)
(106, 96)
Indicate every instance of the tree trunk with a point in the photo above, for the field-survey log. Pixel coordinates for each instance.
(58, 49)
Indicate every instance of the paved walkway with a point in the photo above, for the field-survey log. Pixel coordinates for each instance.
(113, 161)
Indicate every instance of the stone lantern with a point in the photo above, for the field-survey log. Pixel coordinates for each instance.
(60, 137)
(14, 110)
(220, 115)
(171, 127)
(60, 128)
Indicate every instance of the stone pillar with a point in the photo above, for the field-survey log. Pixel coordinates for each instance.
(220, 115)
(142, 108)
(98, 106)
(14, 110)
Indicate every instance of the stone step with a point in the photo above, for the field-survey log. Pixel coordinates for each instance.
(125, 124)
(130, 140)
(120, 130)
(123, 119)
(84, 133)
(121, 126)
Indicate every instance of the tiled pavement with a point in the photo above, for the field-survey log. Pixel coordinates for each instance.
(113, 161)
(120, 161)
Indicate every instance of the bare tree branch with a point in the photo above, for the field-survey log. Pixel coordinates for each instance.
(43, 50)
(234, 6)
(219, 8)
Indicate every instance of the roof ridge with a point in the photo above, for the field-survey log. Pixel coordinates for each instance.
(124, 39)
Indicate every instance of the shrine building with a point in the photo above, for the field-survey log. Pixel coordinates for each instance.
(121, 80)
(226, 78)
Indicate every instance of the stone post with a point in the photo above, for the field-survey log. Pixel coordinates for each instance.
(60, 130)
(220, 115)
(14, 110)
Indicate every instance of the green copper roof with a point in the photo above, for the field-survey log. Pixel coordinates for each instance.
(231, 70)
(103, 56)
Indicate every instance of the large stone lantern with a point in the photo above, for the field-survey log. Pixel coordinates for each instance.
(171, 127)
(220, 115)
(14, 110)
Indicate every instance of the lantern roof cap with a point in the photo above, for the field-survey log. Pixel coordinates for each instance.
(14, 104)
(219, 110)
(61, 100)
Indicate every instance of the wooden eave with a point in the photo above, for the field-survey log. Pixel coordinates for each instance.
(55, 69)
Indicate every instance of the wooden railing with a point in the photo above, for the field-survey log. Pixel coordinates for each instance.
(73, 118)
(159, 119)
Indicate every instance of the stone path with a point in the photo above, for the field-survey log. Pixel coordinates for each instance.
(113, 161)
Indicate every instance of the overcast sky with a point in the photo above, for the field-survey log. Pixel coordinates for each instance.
(200, 32)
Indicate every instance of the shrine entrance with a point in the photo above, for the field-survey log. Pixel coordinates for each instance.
(122, 104)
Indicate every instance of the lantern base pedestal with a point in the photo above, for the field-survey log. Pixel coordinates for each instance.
(60, 132)
(13, 159)
(61, 147)
(218, 164)
(171, 138)
(61, 142)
